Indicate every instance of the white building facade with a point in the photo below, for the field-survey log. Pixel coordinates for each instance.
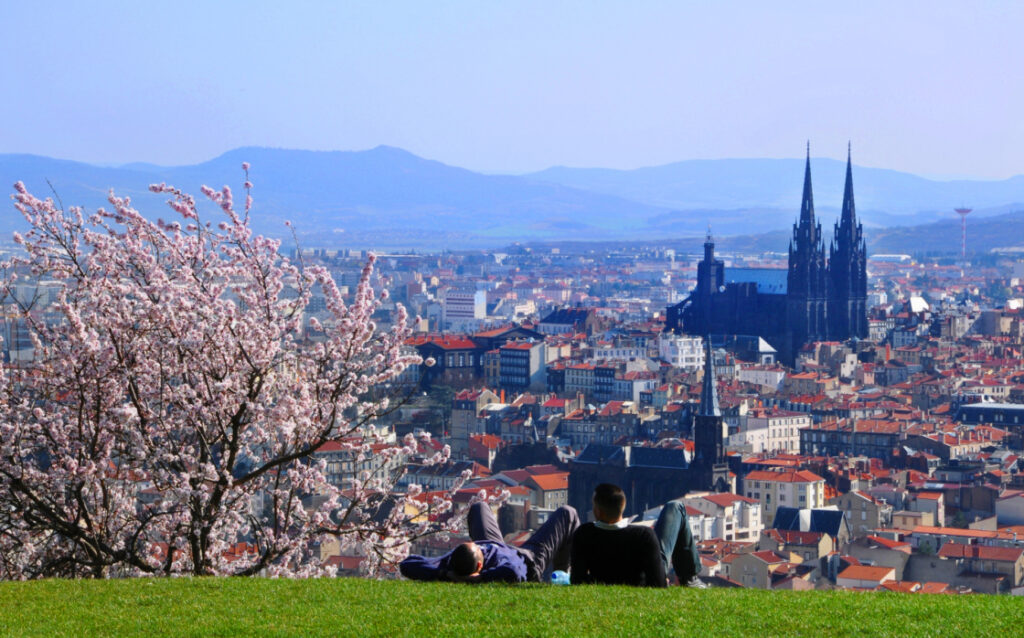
(464, 308)
(727, 516)
(771, 430)
(786, 488)
(681, 351)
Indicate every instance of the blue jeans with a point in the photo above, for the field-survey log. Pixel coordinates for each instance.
(677, 542)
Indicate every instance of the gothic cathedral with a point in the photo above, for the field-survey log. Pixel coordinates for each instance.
(824, 299)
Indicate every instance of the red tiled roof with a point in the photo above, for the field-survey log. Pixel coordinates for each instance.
(330, 446)
(866, 572)
(965, 533)
(983, 552)
(489, 441)
(768, 556)
(903, 586)
(549, 482)
(495, 332)
(445, 342)
(518, 345)
(803, 375)
(518, 476)
(887, 543)
(486, 483)
(786, 476)
(347, 563)
(726, 499)
(611, 408)
(466, 495)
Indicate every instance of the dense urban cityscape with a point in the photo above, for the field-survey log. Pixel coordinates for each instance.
(880, 451)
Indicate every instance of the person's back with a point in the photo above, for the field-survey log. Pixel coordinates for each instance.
(610, 551)
(616, 555)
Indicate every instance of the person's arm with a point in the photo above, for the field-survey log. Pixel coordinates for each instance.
(579, 557)
(653, 568)
(500, 574)
(422, 568)
(502, 564)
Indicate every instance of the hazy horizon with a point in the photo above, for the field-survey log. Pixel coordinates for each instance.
(509, 88)
(814, 158)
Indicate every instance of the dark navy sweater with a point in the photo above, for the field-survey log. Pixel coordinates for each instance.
(501, 563)
(627, 556)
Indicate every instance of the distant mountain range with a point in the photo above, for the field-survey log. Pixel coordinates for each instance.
(884, 197)
(389, 198)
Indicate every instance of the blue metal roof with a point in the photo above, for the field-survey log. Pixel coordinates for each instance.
(768, 280)
(814, 520)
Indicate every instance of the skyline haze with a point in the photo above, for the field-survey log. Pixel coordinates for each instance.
(519, 87)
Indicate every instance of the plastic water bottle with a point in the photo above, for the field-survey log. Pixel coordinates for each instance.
(558, 577)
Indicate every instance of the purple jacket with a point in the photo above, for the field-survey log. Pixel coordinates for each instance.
(502, 563)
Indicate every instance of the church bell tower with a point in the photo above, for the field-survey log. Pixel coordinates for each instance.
(709, 433)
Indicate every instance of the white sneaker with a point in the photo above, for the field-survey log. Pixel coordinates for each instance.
(696, 583)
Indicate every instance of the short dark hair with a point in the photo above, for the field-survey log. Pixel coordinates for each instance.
(464, 559)
(609, 498)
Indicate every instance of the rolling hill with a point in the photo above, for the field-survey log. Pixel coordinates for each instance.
(389, 198)
(350, 198)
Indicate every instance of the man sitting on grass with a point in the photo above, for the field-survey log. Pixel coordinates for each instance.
(488, 559)
(613, 552)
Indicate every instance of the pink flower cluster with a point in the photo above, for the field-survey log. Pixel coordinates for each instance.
(167, 424)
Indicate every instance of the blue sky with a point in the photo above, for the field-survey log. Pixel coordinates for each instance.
(935, 88)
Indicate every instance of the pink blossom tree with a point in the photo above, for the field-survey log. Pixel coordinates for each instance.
(167, 421)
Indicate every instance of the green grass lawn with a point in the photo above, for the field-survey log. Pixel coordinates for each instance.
(353, 607)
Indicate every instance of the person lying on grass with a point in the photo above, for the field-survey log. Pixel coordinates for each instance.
(487, 558)
(611, 551)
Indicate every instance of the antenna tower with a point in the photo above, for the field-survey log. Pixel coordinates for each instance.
(963, 212)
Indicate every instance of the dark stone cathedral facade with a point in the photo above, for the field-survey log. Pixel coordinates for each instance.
(823, 299)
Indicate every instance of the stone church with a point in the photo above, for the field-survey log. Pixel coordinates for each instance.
(651, 476)
(819, 298)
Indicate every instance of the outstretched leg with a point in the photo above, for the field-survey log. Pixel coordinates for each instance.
(483, 526)
(550, 544)
(677, 542)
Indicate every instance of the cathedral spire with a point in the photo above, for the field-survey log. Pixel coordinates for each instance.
(708, 391)
(807, 204)
(709, 247)
(847, 269)
(848, 219)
